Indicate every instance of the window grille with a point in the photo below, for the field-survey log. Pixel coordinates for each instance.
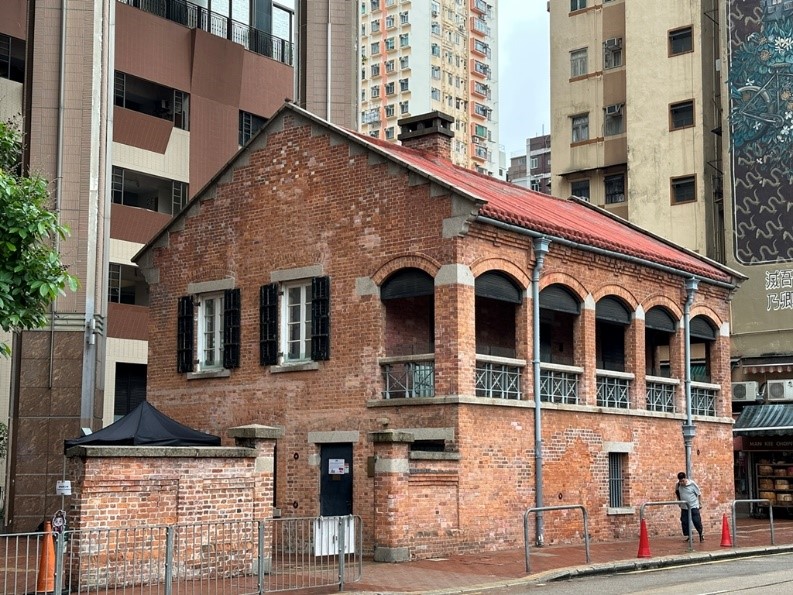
(616, 480)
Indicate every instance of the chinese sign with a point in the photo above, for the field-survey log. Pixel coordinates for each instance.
(779, 287)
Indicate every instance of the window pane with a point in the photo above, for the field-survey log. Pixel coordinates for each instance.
(683, 189)
(580, 126)
(615, 188)
(578, 62)
(682, 114)
(580, 189)
(680, 41)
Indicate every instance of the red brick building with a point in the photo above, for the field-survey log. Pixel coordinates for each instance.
(397, 315)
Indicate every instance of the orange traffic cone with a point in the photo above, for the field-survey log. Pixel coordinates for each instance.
(644, 541)
(726, 538)
(46, 578)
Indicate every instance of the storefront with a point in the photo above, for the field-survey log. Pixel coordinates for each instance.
(763, 448)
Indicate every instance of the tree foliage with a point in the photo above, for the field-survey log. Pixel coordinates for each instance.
(31, 272)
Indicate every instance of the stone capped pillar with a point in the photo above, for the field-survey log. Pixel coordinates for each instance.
(392, 506)
(455, 333)
(262, 440)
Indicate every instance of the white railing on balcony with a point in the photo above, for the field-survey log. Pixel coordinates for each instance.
(559, 384)
(703, 398)
(661, 394)
(613, 389)
(498, 377)
(409, 376)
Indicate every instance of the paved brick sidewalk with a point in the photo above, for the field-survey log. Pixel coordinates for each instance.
(460, 574)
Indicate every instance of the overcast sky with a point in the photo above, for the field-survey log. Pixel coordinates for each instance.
(523, 72)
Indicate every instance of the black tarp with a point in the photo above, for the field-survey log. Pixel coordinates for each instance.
(145, 426)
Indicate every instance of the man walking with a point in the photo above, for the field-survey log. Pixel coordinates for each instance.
(687, 491)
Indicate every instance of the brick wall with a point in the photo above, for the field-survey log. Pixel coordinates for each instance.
(301, 196)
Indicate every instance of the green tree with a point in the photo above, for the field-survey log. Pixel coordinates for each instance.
(31, 272)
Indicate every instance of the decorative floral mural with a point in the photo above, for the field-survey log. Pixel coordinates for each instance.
(761, 121)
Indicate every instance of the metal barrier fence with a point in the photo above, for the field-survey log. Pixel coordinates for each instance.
(232, 557)
(752, 501)
(677, 503)
(544, 508)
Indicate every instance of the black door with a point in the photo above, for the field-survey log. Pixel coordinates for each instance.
(335, 480)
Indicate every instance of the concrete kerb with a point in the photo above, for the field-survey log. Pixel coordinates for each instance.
(573, 572)
(651, 563)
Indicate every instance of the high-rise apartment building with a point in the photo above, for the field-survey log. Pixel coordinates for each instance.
(676, 115)
(435, 55)
(532, 169)
(128, 107)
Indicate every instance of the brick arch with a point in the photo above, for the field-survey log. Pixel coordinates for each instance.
(710, 314)
(617, 291)
(502, 265)
(406, 261)
(661, 300)
(571, 283)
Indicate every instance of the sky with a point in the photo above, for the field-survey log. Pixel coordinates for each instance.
(523, 73)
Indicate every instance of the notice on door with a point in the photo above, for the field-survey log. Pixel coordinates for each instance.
(338, 467)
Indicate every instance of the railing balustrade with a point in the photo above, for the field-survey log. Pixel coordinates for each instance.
(197, 17)
(498, 377)
(559, 384)
(703, 398)
(408, 377)
(613, 389)
(661, 394)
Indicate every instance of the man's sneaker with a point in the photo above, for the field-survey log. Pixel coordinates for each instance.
(686, 538)
(701, 538)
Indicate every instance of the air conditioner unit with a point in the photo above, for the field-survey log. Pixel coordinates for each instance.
(779, 390)
(613, 110)
(614, 42)
(744, 391)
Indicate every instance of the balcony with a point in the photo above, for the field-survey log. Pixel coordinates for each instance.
(559, 384)
(498, 377)
(661, 394)
(408, 377)
(197, 17)
(703, 398)
(613, 389)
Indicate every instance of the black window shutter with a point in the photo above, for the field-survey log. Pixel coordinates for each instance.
(184, 335)
(231, 328)
(320, 318)
(268, 324)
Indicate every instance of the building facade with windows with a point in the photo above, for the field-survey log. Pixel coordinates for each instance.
(128, 108)
(417, 57)
(410, 361)
(622, 131)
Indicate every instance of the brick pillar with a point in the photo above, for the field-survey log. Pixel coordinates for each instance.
(392, 506)
(455, 334)
(261, 439)
(635, 361)
(586, 352)
(677, 366)
(720, 370)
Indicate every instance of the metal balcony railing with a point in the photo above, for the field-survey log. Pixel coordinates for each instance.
(197, 17)
(661, 394)
(559, 384)
(703, 398)
(498, 377)
(613, 389)
(408, 377)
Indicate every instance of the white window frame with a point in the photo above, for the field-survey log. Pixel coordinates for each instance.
(295, 329)
(579, 127)
(579, 62)
(210, 340)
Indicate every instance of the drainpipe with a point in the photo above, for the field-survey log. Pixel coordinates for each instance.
(688, 428)
(328, 65)
(540, 250)
(58, 173)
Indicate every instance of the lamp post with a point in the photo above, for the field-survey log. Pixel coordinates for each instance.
(689, 431)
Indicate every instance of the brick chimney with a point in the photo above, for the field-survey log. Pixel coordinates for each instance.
(430, 132)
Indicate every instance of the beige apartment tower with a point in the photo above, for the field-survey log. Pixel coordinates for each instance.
(673, 115)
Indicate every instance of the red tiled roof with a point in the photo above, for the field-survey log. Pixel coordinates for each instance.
(567, 219)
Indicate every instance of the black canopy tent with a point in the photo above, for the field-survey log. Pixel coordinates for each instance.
(145, 426)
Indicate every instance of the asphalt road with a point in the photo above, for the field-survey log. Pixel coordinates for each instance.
(771, 574)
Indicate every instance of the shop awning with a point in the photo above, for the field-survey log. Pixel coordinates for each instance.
(765, 420)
